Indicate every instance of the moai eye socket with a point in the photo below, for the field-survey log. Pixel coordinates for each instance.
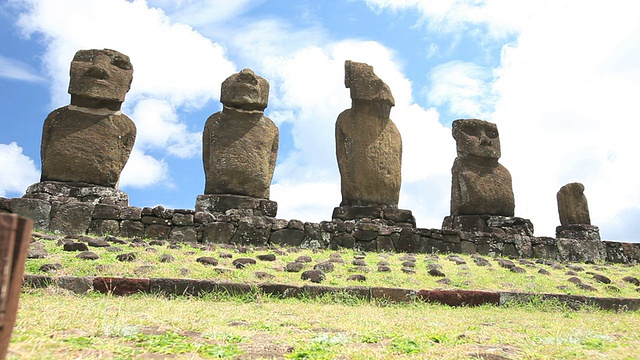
(469, 130)
(120, 62)
(491, 133)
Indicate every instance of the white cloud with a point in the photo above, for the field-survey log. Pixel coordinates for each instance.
(144, 170)
(463, 87)
(18, 170)
(18, 70)
(197, 12)
(175, 67)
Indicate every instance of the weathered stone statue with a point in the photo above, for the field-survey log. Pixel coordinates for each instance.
(572, 205)
(575, 222)
(239, 145)
(368, 144)
(90, 140)
(368, 147)
(481, 185)
(481, 191)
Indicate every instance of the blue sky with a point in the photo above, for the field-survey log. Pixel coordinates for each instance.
(559, 78)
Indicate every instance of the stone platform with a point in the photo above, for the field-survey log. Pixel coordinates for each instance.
(246, 205)
(578, 232)
(52, 191)
(389, 215)
(499, 225)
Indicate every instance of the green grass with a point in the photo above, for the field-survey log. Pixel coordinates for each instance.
(55, 324)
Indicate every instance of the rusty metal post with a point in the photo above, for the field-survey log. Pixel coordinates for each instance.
(15, 236)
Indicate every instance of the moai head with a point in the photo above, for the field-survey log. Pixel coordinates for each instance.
(102, 75)
(366, 86)
(245, 90)
(476, 138)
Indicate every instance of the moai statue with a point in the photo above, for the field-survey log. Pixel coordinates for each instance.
(368, 147)
(481, 190)
(575, 222)
(481, 185)
(240, 148)
(90, 140)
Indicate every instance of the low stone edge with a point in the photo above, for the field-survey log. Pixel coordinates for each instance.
(172, 287)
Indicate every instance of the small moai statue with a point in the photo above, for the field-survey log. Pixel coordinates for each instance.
(368, 148)
(90, 140)
(240, 148)
(575, 222)
(481, 190)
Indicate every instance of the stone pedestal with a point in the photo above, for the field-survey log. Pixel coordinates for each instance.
(51, 191)
(501, 225)
(578, 232)
(388, 214)
(247, 205)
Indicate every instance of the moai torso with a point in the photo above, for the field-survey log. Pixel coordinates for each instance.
(240, 144)
(90, 140)
(368, 144)
(480, 185)
(572, 205)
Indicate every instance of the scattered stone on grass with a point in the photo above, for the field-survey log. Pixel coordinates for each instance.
(184, 271)
(88, 255)
(114, 240)
(267, 257)
(336, 260)
(434, 266)
(207, 260)
(126, 257)
(364, 269)
(157, 242)
(114, 249)
(436, 272)
(241, 263)
(544, 272)
(587, 287)
(37, 251)
(574, 280)
(315, 276)
(261, 275)
(409, 264)
(508, 264)
(75, 246)
(151, 249)
(575, 267)
(279, 252)
(557, 266)
(359, 262)
(408, 270)
(457, 259)
(384, 268)
(50, 267)
(97, 242)
(335, 255)
(101, 268)
(518, 270)
(359, 257)
(631, 280)
(571, 273)
(383, 263)
(174, 246)
(222, 270)
(243, 250)
(357, 277)
(167, 258)
(304, 259)
(601, 278)
(613, 288)
(480, 261)
(444, 281)
(408, 257)
(224, 255)
(325, 266)
(294, 266)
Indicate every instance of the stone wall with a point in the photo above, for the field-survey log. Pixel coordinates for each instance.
(505, 237)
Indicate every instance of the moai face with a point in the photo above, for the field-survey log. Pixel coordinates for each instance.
(245, 90)
(476, 138)
(100, 74)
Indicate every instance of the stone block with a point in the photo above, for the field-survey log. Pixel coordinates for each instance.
(295, 225)
(157, 231)
(396, 295)
(385, 244)
(107, 211)
(578, 232)
(72, 218)
(287, 237)
(343, 240)
(253, 230)
(104, 227)
(218, 232)
(38, 210)
(5, 204)
(131, 213)
(406, 241)
(182, 219)
(184, 234)
(121, 286)
(581, 250)
(131, 228)
(357, 212)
